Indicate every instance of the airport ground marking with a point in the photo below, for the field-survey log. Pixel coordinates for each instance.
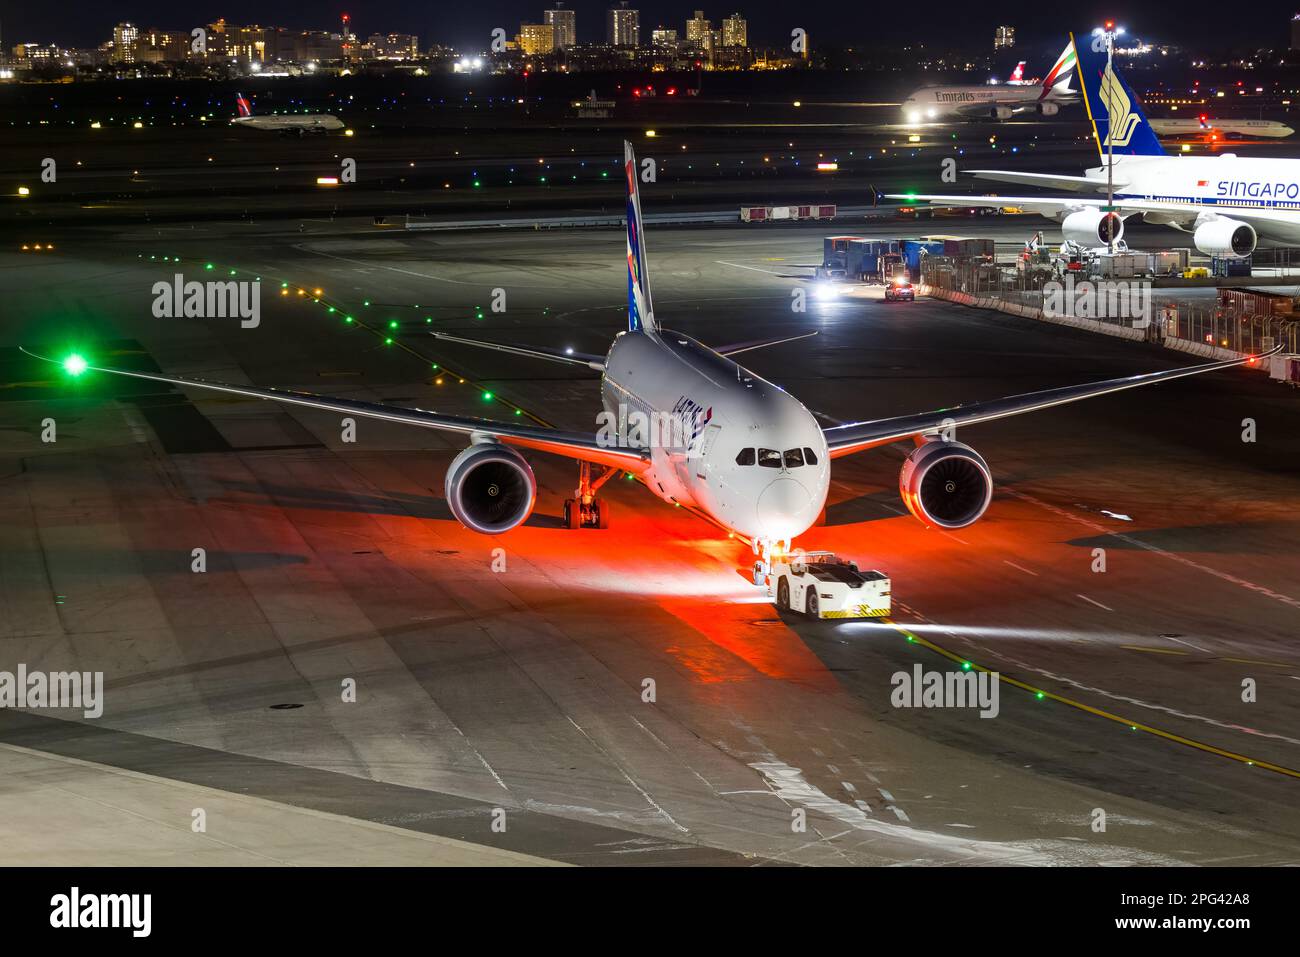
(1042, 694)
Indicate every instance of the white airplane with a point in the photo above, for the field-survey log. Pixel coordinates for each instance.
(287, 123)
(720, 440)
(1215, 129)
(998, 101)
(1227, 202)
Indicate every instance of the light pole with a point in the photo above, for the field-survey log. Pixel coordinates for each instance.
(1109, 32)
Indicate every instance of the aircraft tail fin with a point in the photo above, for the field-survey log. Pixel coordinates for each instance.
(241, 101)
(640, 309)
(1057, 80)
(1118, 122)
(1018, 73)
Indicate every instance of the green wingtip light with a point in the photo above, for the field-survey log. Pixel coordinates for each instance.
(74, 365)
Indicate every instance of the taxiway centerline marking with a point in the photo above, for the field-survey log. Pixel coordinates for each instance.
(1109, 716)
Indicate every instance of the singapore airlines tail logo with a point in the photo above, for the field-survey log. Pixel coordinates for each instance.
(1122, 120)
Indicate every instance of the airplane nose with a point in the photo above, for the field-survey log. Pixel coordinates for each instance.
(783, 508)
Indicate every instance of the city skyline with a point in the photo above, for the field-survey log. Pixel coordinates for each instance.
(81, 24)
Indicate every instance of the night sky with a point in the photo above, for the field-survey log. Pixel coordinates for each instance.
(468, 24)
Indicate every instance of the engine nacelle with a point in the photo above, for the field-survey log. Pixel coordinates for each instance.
(1048, 108)
(1001, 113)
(945, 484)
(1092, 228)
(1225, 237)
(490, 488)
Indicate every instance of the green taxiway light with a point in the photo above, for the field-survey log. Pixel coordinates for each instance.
(388, 342)
(517, 412)
(284, 285)
(347, 318)
(392, 323)
(435, 365)
(1039, 696)
(208, 266)
(74, 365)
(965, 666)
(487, 396)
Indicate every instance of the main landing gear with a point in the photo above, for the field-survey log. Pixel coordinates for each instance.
(585, 510)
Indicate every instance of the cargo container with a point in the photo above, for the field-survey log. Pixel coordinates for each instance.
(1123, 265)
(1223, 268)
(969, 248)
(914, 250)
(764, 214)
(1170, 262)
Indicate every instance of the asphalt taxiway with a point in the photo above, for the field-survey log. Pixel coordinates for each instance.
(518, 694)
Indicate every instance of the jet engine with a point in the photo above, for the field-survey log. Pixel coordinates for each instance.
(1048, 108)
(1091, 228)
(1225, 237)
(490, 488)
(945, 484)
(1001, 113)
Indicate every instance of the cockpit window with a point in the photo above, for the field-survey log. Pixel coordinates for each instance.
(793, 458)
(769, 458)
(809, 457)
(746, 457)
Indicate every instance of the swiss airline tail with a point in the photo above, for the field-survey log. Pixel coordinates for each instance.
(242, 102)
(1018, 73)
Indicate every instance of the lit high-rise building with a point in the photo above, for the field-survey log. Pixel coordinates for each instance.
(698, 30)
(565, 25)
(1004, 37)
(735, 31)
(663, 37)
(536, 38)
(623, 26)
(124, 37)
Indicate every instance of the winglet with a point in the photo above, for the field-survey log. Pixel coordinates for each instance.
(640, 310)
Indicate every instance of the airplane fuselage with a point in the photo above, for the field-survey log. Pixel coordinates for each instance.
(307, 123)
(938, 102)
(736, 446)
(1222, 184)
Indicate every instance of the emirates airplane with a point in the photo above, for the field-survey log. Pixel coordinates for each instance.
(1227, 202)
(998, 101)
(736, 449)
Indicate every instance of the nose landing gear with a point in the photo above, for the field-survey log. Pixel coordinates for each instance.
(763, 565)
(585, 510)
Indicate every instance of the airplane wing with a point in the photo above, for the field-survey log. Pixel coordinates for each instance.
(859, 436)
(736, 348)
(536, 352)
(577, 445)
(1081, 184)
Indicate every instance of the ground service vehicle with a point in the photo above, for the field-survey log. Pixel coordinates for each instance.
(822, 585)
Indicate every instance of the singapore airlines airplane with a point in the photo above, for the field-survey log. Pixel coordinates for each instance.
(735, 448)
(1227, 202)
(995, 101)
(287, 123)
